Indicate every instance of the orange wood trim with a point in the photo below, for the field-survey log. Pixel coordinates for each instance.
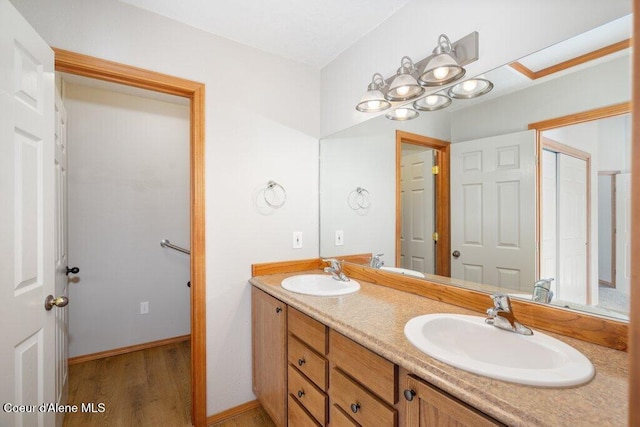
(584, 116)
(128, 349)
(233, 412)
(634, 333)
(559, 147)
(442, 196)
(101, 69)
(286, 266)
(589, 56)
(596, 330)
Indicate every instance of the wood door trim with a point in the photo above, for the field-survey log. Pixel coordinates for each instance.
(612, 176)
(589, 56)
(101, 69)
(442, 196)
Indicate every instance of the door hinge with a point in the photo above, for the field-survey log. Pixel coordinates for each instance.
(435, 170)
(434, 236)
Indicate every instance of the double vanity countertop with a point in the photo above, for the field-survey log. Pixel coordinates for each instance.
(375, 317)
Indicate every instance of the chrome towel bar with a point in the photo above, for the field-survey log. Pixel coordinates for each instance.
(165, 243)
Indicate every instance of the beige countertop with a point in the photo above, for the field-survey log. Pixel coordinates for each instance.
(375, 317)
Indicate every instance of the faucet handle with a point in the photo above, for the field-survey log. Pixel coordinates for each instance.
(501, 302)
(334, 263)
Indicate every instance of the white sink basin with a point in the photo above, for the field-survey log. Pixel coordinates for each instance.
(404, 271)
(468, 343)
(319, 284)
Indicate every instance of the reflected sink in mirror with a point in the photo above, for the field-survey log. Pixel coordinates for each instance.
(319, 285)
(404, 271)
(468, 343)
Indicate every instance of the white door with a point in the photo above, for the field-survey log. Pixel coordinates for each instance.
(27, 183)
(623, 232)
(572, 282)
(493, 206)
(61, 254)
(418, 251)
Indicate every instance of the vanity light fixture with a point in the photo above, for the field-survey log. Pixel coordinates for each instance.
(434, 102)
(471, 88)
(442, 68)
(402, 114)
(404, 86)
(373, 100)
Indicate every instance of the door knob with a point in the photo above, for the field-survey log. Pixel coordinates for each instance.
(456, 254)
(74, 270)
(50, 301)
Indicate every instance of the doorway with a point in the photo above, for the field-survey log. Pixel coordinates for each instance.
(91, 67)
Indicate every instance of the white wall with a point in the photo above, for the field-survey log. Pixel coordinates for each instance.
(508, 30)
(364, 156)
(255, 131)
(128, 189)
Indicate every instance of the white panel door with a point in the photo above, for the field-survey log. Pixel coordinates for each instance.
(418, 251)
(623, 232)
(572, 229)
(27, 182)
(493, 207)
(61, 254)
(549, 244)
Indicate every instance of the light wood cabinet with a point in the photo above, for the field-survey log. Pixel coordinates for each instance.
(269, 351)
(305, 374)
(424, 405)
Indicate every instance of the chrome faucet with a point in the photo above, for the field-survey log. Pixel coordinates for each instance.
(542, 291)
(335, 269)
(375, 261)
(501, 315)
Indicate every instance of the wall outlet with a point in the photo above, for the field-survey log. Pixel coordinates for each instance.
(144, 307)
(339, 237)
(297, 239)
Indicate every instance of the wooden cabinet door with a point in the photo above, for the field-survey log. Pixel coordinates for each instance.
(269, 351)
(424, 405)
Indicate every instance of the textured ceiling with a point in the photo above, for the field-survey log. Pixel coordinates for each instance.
(309, 31)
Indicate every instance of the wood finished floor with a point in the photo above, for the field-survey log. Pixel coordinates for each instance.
(149, 387)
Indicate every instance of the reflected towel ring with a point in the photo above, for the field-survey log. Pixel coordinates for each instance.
(275, 195)
(359, 199)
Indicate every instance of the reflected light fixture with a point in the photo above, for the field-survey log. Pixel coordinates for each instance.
(373, 100)
(404, 86)
(471, 88)
(442, 67)
(402, 114)
(434, 102)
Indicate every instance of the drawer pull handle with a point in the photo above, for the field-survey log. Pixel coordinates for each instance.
(300, 393)
(278, 309)
(408, 394)
(301, 362)
(355, 407)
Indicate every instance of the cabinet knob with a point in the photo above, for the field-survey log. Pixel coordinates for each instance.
(301, 362)
(408, 394)
(278, 309)
(355, 407)
(300, 393)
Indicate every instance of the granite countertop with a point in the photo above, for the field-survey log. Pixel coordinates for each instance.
(375, 317)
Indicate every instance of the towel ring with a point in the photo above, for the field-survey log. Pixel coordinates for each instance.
(275, 195)
(359, 198)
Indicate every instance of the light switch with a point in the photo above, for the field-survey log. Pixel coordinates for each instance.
(297, 239)
(339, 237)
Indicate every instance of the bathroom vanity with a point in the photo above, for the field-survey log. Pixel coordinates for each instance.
(345, 361)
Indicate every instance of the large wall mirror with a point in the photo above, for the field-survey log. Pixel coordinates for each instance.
(538, 179)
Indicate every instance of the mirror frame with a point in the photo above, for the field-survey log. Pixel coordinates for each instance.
(442, 197)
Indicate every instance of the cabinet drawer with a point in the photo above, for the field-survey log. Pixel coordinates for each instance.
(310, 363)
(308, 330)
(361, 405)
(374, 372)
(339, 418)
(311, 397)
(298, 416)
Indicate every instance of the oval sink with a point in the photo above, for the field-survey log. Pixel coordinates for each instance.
(404, 271)
(468, 343)
(319, 285)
